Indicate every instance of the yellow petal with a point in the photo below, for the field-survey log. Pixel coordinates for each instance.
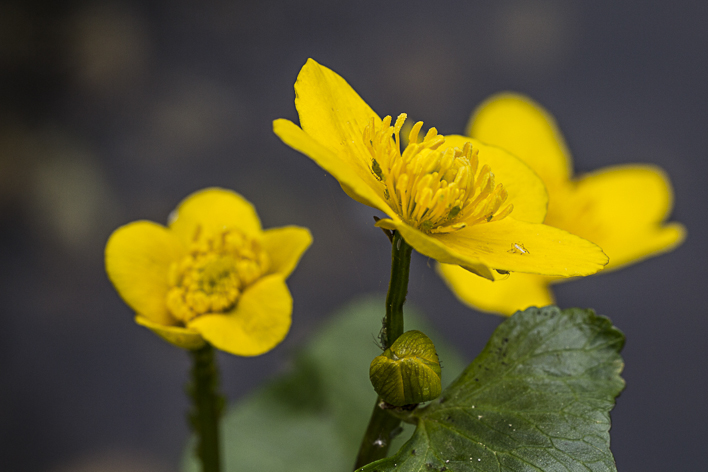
(259, 323)
(211, 210)
(181, 337)
(526, 189)
(360, 189)
(334, 114)
(432, 247)
(549, 251)
(505, 296)
(285, 246)
(525, 129)
(622, 209)
(138, 257)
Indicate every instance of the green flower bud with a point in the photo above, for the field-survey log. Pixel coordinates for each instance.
(408, 372)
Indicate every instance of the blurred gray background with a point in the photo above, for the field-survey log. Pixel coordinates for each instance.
(115, 111)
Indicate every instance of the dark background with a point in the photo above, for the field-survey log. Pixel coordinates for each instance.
(115, 111)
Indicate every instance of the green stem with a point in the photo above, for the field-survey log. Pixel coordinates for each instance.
(378, 436)
(397, 290)
(206, 407)
(383, 426)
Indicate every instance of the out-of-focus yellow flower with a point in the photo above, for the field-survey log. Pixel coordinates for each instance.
(452, 198)
(621, 208)
(212, 275)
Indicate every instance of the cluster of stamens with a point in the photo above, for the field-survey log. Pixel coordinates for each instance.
(434, 188)
(214, 273)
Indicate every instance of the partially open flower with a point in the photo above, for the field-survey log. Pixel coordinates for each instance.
(212, 275)
(452, 198)
(622, 208)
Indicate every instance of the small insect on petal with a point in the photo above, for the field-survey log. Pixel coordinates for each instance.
(518, 248)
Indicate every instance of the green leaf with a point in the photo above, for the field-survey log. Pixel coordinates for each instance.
(537, 398)
(312, 418)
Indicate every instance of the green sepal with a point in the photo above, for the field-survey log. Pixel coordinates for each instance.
(408, 372)
(537, 398)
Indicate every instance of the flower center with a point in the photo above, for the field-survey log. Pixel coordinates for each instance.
(212, 276)
(434, 188)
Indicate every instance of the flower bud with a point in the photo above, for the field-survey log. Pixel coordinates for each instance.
(408, 372)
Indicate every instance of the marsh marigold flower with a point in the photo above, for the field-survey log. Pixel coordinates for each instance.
(452, 198)
(211, 275)
(620, 208)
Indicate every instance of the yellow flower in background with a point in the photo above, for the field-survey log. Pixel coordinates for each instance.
(620, 208)
(212, 275)
(452, 198)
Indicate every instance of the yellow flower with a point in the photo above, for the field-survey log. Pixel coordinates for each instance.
(619, 208)
(452, 198)
(212, 275)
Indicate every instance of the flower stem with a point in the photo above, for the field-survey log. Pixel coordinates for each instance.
(207, 405)
(397, 290)
(383, 426)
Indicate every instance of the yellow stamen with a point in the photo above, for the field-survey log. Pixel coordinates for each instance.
(211, 278)
(434, 188)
